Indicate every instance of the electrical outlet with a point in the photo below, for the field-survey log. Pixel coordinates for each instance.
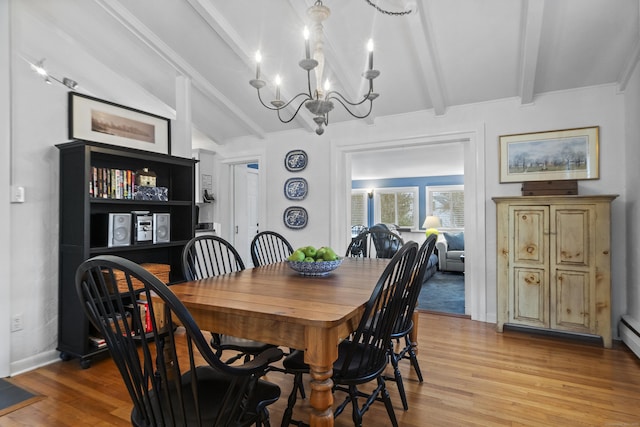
(16, 323)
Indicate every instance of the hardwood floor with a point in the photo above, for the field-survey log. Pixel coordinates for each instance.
(473, 376)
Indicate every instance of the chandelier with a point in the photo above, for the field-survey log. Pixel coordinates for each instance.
(319, 101)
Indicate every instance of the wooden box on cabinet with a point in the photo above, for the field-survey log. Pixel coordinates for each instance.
(83, 233)
(554, 263)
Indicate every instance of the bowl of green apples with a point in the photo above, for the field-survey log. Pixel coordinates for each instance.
(309, 261)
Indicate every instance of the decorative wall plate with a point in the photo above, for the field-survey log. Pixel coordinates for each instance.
(295, 217)
(295, 160)
(296, 188)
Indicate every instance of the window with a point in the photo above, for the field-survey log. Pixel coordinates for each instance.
(447, 203)
(397, 206)
(359, 211)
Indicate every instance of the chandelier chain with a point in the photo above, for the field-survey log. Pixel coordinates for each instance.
(388, 12)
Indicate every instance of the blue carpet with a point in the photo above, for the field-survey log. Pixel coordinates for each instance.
(443, 292)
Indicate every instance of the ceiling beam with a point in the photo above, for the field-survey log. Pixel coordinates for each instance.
(426, 56)
(532, 18)
(627, 72)
(137, 28)
(225, 30)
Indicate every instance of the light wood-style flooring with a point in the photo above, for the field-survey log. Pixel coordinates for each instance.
(473, 376)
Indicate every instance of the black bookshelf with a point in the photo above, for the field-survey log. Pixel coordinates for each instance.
(84, 232)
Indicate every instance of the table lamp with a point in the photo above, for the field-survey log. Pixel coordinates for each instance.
(431, 223)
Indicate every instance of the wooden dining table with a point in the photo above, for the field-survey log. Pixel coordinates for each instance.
(277, 305)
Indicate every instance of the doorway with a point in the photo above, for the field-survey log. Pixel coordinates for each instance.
(474, 193)
(246, 182)
(430, 179)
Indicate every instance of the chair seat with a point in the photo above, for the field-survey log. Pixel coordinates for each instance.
(294, 362)
(212, 387)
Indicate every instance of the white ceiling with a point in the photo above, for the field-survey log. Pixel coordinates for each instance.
(444, 53)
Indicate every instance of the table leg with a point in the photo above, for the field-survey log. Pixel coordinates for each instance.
(320, 353)
(413, 335)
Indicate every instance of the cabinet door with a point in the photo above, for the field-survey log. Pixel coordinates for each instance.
(529, 261)
(573, 272)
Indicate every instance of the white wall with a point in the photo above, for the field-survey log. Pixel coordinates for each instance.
(5, 181)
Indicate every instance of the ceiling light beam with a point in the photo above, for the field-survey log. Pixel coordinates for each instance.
(627, 72)
(532, 33)
(427, 58)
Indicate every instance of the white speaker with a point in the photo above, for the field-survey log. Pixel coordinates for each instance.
(161, 227)
(119, 229)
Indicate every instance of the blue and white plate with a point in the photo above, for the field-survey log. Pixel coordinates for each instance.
(295, 217)
(296, 188)
(295, 160)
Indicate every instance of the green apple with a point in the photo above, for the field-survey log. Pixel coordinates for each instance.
(297, 255)
(320, 253)
(310, 251)
(309, 259)
(330, 255)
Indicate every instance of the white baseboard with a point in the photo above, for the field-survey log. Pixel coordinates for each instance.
(34, 362)
(630, 333)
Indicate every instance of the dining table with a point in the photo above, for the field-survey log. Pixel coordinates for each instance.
(275, 304)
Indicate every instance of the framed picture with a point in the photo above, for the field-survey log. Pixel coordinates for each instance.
(550, 156)
(96, 120)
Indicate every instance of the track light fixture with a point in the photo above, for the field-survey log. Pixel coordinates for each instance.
(39, 68)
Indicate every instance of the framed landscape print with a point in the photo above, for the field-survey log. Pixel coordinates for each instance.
(550, 156)
(96, 120)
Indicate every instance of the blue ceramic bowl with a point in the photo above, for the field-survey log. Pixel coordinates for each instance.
(316, 268)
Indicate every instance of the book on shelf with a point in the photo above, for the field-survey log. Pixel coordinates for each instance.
(109, 183)
(97, 341)
(145, 316)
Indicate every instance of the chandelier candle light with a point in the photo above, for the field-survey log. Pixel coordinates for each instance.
(320, 101)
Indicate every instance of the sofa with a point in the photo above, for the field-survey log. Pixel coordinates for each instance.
(432, 267)
(450, 247)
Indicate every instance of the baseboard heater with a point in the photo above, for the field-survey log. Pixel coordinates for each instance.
(629, 330)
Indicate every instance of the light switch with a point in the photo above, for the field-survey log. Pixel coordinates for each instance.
(17, 194)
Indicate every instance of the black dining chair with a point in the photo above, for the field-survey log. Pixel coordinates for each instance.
(374, 244)
(209, 256)
(172, 375)
(269, 247)
(404, 323)
(363, 357)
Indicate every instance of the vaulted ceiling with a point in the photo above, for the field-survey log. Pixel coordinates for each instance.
(444, 53)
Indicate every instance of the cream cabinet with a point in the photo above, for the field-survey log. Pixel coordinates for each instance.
(553, 263)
